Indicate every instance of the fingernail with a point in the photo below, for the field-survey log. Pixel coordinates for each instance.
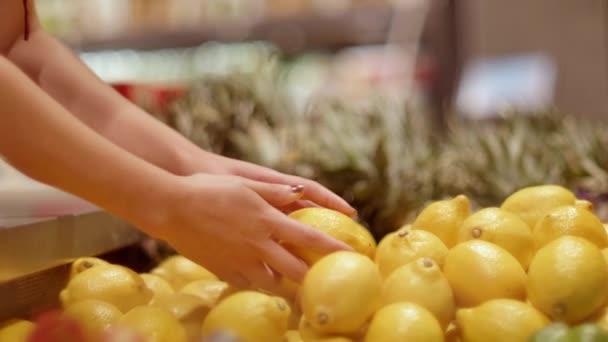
(296, 189)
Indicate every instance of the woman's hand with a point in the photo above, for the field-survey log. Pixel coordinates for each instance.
(314, 194)
(231, 226)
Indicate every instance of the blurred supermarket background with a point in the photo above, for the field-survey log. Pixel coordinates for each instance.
(325, 44)
(390, 103)
(562, 45)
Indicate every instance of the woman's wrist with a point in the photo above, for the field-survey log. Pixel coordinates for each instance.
(190, 162)
(185, 161)
(150, 209)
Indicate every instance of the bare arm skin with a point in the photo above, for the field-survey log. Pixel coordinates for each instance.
(65, 78)
(61, 125)
(42, 140)
(195, 214)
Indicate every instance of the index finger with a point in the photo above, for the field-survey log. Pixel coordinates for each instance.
(286, 229)
(313, 191)
(322, 196)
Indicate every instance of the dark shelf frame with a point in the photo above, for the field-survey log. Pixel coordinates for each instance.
(367, 24)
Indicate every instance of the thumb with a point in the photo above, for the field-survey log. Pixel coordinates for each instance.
(277, 195)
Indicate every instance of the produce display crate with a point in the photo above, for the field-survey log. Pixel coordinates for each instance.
(41, 231)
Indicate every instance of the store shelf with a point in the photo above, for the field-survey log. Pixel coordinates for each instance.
(34, 258)
(33, 247)
(363, 25)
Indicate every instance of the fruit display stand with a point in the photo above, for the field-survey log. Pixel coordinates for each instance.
(41, 231)
(453, 274)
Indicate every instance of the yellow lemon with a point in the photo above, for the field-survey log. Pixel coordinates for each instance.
(452, 333)
(189, 310)
(567, 279)
(570, 220)
(154, 324)
(404, 322)
(601, 319)
(112, 284)
(406, 245)
(308, 334)
(94, 315)
(532, 203)
(288, 289)
(444, 218)
(338, 226)
(479, 271)
(605, 254)
(421, 282)
(500, 320)
(502, 228)
(296, 314)
(341, 292)
(330, 339)
(16, 330)
(179, 271)
(210, 291)
(81, 264)
(584, 204)
(252, 316)
(159, 286)
(293, 336)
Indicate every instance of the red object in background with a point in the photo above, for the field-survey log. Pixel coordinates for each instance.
(426, 72)
(150, 97)
(122, 89)
(54, 326)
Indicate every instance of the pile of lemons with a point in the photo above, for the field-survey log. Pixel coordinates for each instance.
(496, 274)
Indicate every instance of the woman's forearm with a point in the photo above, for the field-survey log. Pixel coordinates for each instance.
(42, 140)
(63, 76)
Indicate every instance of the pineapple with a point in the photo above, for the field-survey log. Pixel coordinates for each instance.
(488, 160)
(385, 156)
(357, 151)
